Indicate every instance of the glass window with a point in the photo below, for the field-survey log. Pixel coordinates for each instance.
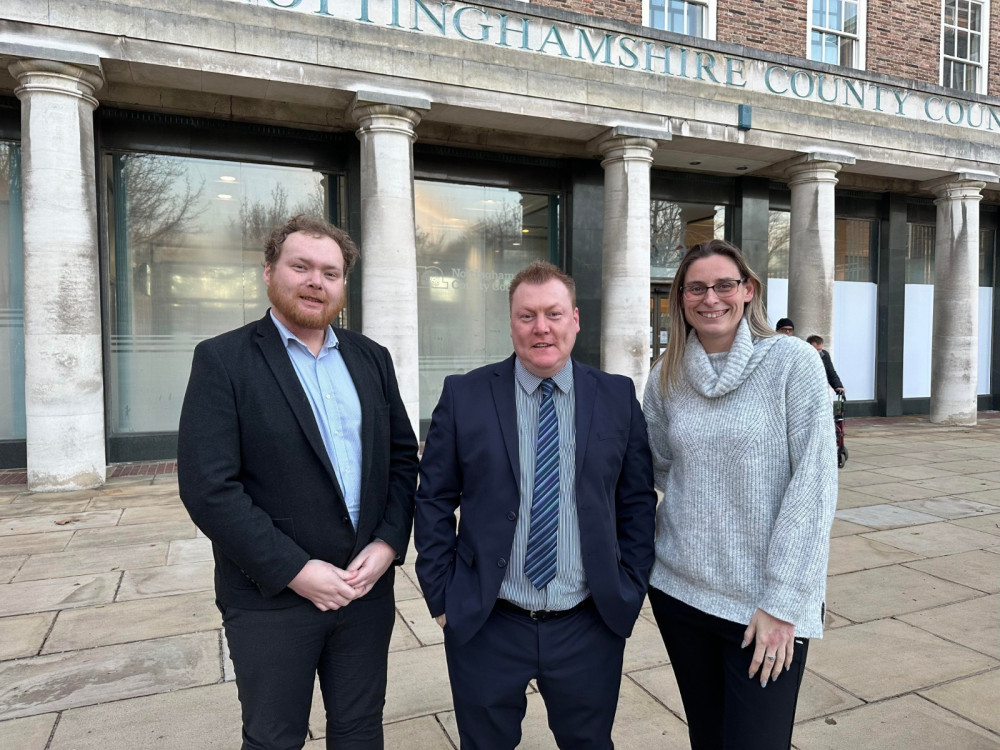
(691, 17)
(11, 295)
(836, 32)
(920, 254)
(186, 256)
(471, 241)
(674, 227)
(854, 255)
(963, 46)
(778, 233)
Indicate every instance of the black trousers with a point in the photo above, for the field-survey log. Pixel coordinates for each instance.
(576, 660)
(725, 708)
(278, 653)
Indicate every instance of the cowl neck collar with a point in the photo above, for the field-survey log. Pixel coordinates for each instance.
(744, 356)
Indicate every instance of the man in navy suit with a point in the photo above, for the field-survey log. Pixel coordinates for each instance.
(297, 459)
(548, 463)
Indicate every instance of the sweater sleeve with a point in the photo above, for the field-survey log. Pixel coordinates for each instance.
(795, 571)
(656, 426)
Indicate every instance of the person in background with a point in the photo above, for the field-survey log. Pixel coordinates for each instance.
(742, 442)
(831, 374)
(785, 326)
(297, 459)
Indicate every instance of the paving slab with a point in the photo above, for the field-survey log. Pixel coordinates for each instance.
(913, 471)
(974, 698)
(968, 466)
(895, 491)
(55, 682)
(29, 733)
(661, 683)
(22, 635)
(974, 624)
(817, 697)
(936, 539)
(901, 724)
(42, 507)
(198, 718)
(9, 567)
(57, 593)
(846, 528)
(990, 497)
(892, 590)
(885, 516)
(404, 589)
(424, 733)
(834, 620)
(989, 524)
(27, 544)
(140, 620)
(189, 550)
(644, 648)
(886, 658)
(414, 613)
(166, 580)
(58, 522)
(402, 637)
(949, 507)
(133, 500)
(169, 511)
(851, 553)
(978, 569)
(99, 560)
(957, 485)
(429, 667)
(136, 534)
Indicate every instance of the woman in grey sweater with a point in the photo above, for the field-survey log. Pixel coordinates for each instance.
(744, 450)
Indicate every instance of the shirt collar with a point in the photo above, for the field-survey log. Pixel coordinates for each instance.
(329, 342)
(530, 382)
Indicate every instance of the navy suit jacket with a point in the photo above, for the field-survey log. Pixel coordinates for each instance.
(255, 476)
(471, 463)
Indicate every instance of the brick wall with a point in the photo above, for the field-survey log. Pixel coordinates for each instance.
(904, 39)
(764, 24)
(629, 11)
(993, 77)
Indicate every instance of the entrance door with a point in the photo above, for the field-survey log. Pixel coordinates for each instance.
(659, 318)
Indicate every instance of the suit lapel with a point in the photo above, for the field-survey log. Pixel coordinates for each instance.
(273, 349)
(503, 399)
(367, 383)
(585, 387)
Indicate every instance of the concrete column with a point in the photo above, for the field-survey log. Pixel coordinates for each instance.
(64, 384)
(811, 179)
(386, 124)
(956, 298)
(628, 155)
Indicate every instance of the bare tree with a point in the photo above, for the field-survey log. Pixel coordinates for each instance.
(666, 235)
(258, 218)
(162, 203)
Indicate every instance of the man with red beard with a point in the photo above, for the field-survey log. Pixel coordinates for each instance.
(297, 459)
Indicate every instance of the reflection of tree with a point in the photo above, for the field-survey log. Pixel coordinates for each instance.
(161, 200)
(778, 233)
(666, 236)
(258, 218)
(500, 228)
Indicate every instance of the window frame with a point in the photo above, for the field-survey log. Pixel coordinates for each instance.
(861, 37)
(710, 17)
(984, 47)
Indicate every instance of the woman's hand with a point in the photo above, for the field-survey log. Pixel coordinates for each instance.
(775, 644)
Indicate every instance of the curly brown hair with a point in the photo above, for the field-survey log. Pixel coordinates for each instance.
(314, 227)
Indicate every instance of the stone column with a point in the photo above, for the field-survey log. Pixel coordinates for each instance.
(811, 179)
(628, 155)
(954, 340)
(64, 383)
(386, 129)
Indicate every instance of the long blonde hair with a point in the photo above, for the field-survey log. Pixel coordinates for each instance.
(754, 311)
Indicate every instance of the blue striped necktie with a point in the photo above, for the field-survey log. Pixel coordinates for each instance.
(540, 557)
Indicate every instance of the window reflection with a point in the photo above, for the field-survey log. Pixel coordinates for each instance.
(186, 255)
(471, 241)
(11, 295)
(675, 227)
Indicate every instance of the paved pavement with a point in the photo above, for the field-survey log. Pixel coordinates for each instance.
(109, 637)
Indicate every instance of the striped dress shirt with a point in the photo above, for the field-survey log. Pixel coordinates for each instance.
(569, 587)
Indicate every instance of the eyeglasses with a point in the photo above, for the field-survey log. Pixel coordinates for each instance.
(723, 288)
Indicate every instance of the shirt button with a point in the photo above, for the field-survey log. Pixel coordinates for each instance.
(346, 519)
(501, 563)
(511, 516)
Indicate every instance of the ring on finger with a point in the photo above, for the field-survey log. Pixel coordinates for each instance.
(769, 658)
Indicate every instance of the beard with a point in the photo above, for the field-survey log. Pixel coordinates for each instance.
(284, 301)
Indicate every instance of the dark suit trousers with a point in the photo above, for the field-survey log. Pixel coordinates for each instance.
(576, 660)
(276, 655)
(725, 709)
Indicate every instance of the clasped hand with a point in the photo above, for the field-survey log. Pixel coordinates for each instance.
(330, 587)
(775, 645)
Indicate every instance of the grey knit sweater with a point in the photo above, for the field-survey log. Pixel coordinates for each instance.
(746, 459)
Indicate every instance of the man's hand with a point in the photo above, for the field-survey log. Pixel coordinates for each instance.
(839, 390)
(441, 620)
(370, 564)
(325, 585)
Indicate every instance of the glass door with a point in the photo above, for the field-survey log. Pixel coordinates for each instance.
(659, 319)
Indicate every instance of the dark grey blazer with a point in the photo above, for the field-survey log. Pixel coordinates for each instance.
(256, 478)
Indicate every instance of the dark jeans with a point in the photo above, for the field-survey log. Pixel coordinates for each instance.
(576, 660)
(277, 655)
(726, 709)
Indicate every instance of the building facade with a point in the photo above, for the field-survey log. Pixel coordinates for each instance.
(852, 149)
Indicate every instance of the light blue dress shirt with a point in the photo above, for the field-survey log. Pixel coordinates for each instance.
(335, 404)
